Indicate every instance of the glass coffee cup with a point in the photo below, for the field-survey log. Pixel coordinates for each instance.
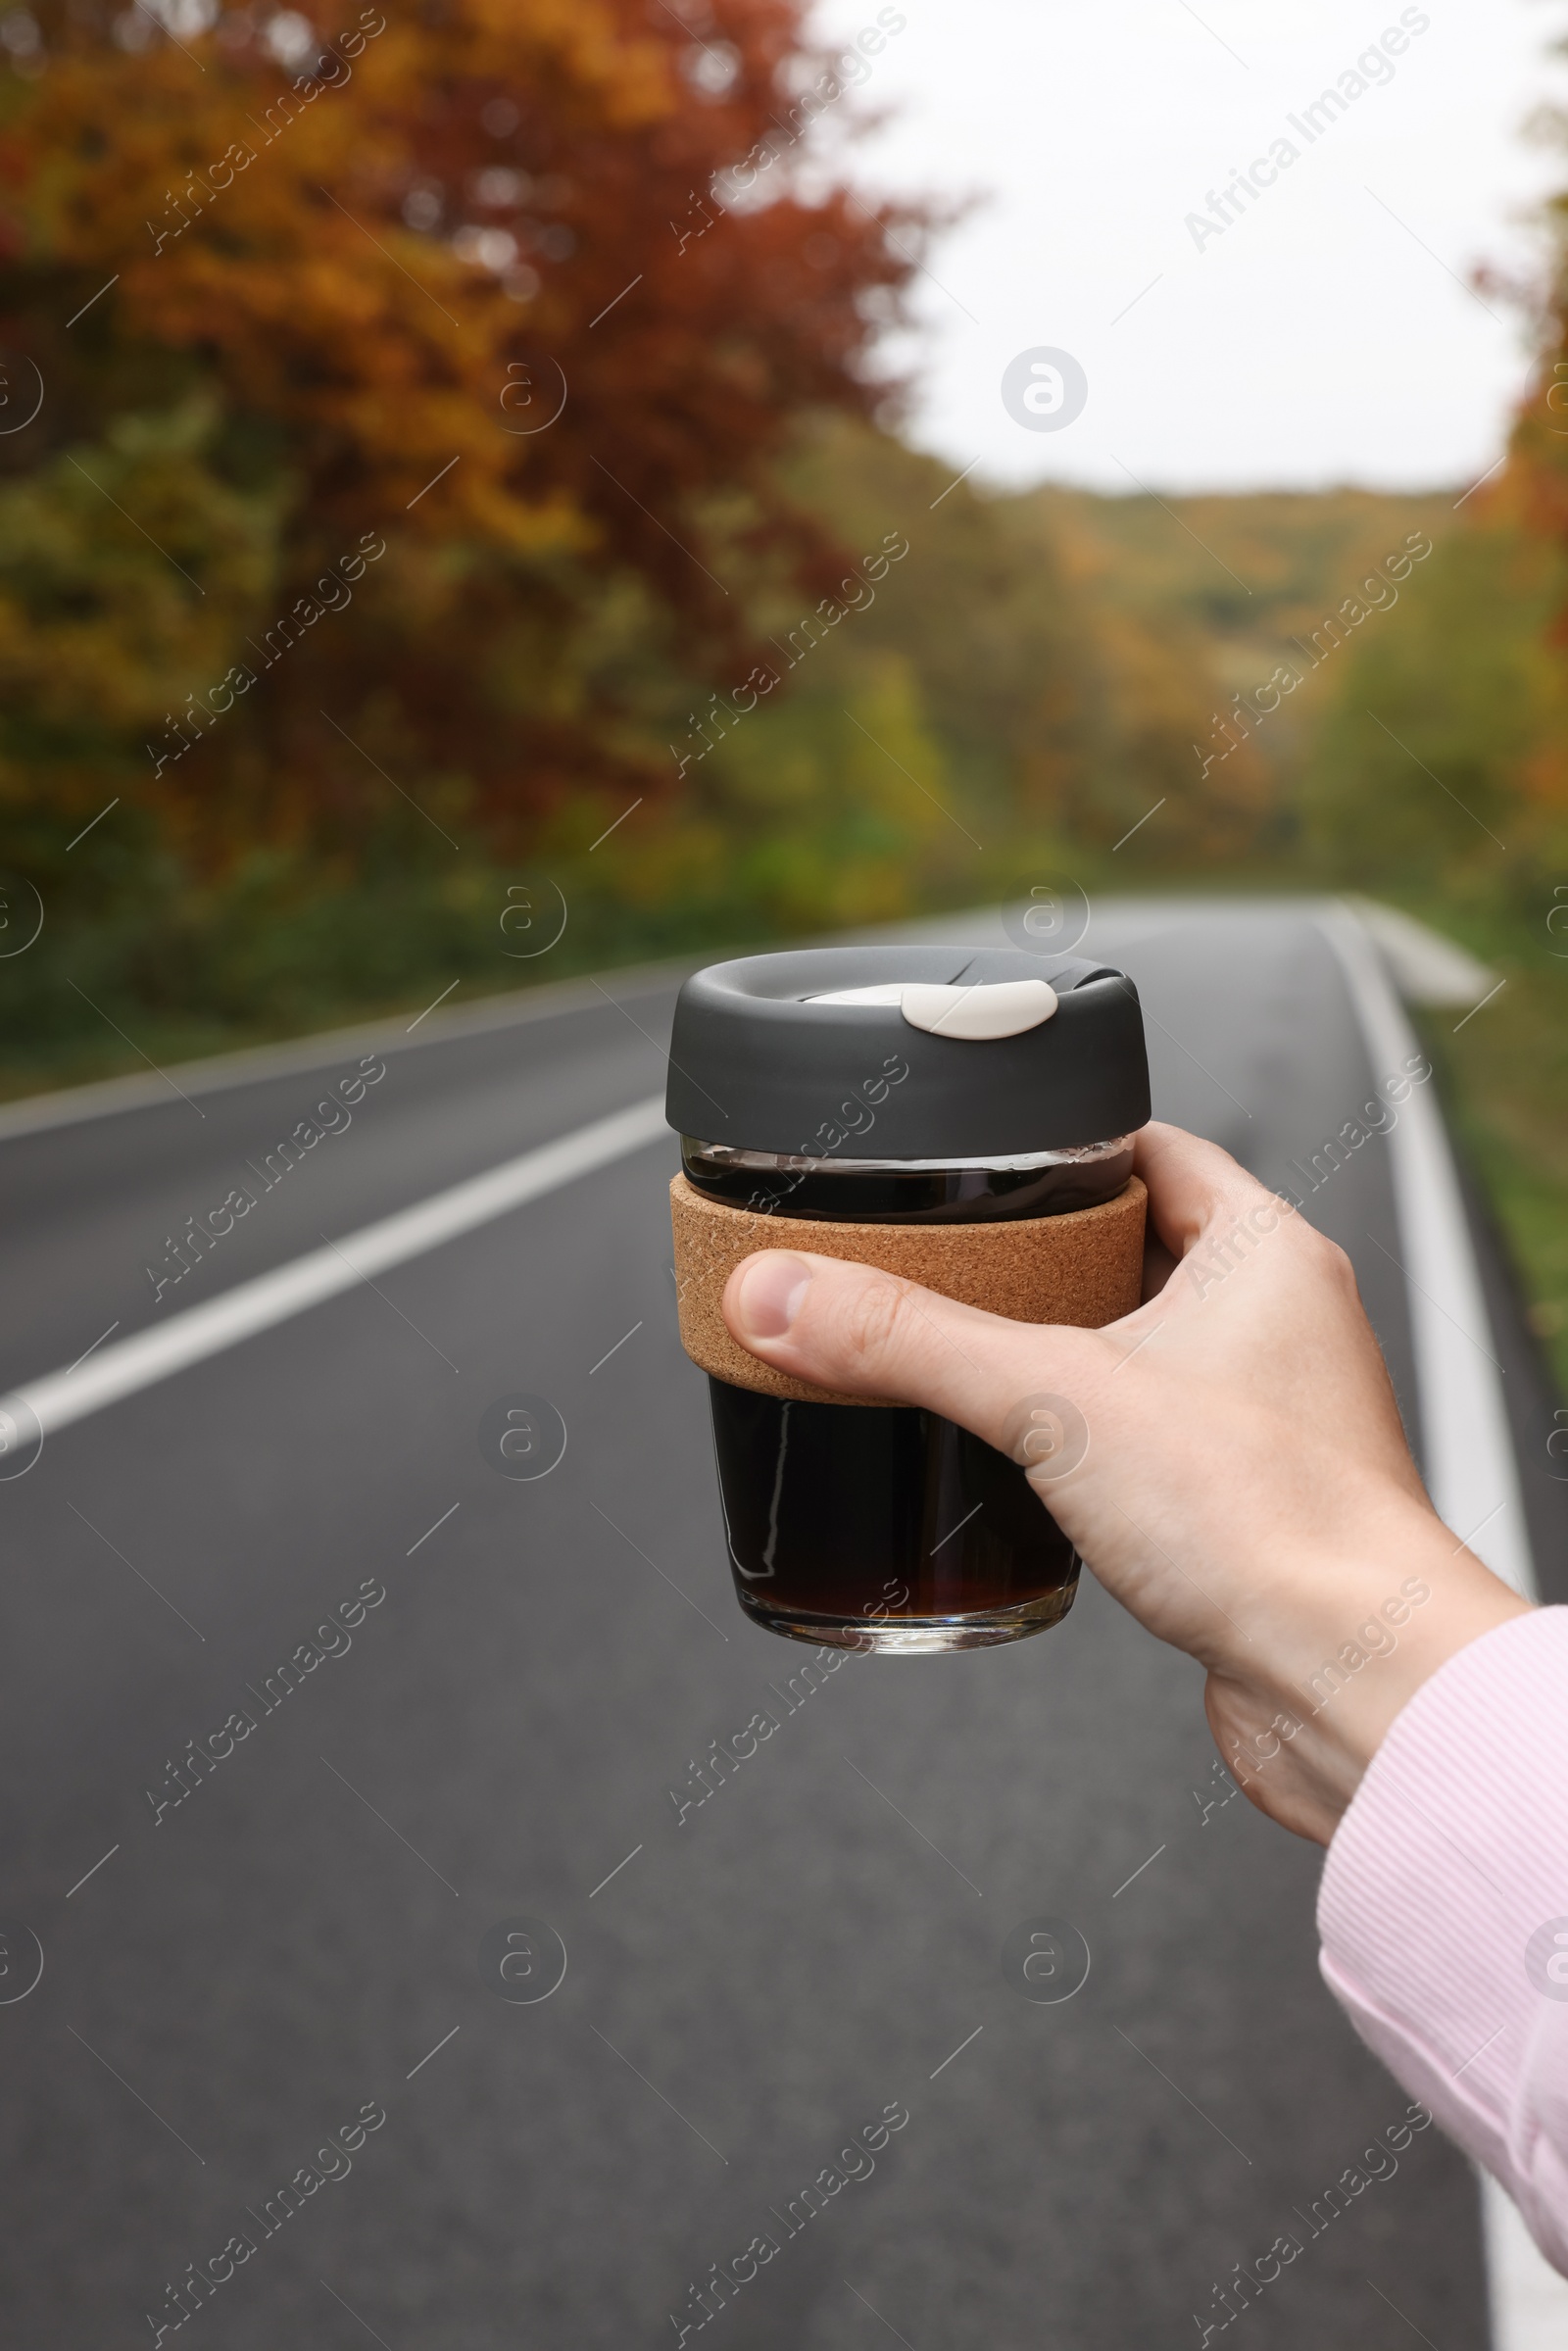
(871, 1525)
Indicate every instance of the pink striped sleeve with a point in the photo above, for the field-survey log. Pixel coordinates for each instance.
(1444, 1909)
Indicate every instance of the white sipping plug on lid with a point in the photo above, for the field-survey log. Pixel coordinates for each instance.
(1004, 1009)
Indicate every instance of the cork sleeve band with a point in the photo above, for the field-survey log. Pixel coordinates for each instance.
(1085, 1267)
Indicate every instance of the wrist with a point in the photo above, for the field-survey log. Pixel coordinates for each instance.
(1341, 1647)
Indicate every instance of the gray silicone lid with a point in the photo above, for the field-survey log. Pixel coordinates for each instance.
(754, 1064)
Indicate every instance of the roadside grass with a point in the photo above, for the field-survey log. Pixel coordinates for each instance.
(1504, 1079)
(106, 1036)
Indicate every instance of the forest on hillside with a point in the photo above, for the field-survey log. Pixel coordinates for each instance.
(1312, 691)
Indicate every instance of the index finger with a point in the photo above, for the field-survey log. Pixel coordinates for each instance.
(1191, 1183)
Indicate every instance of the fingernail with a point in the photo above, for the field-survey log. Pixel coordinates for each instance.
(771, 1293)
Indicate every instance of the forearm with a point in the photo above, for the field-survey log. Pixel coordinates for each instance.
(1444, 1909)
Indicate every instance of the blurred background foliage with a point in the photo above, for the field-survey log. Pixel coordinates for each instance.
(461, 463)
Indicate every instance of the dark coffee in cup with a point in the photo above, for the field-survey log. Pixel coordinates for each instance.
(964, 1120)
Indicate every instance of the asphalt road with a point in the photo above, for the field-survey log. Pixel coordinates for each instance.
(294, 1949)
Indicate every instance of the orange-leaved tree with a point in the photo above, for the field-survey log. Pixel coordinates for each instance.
(410, 391)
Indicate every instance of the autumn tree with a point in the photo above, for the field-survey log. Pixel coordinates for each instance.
(413, 390)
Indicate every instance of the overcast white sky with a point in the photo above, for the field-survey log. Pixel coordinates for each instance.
(1326, 336)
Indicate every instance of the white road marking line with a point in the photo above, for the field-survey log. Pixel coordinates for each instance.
(1469, 1463)
(1467, 1440)
(288, 1290)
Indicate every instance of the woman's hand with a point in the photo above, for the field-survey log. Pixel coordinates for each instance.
(1229, 1460)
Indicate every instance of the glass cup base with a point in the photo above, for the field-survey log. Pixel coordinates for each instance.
(916, 1636)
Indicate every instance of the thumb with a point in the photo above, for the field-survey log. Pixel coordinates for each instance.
(872, 1334)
